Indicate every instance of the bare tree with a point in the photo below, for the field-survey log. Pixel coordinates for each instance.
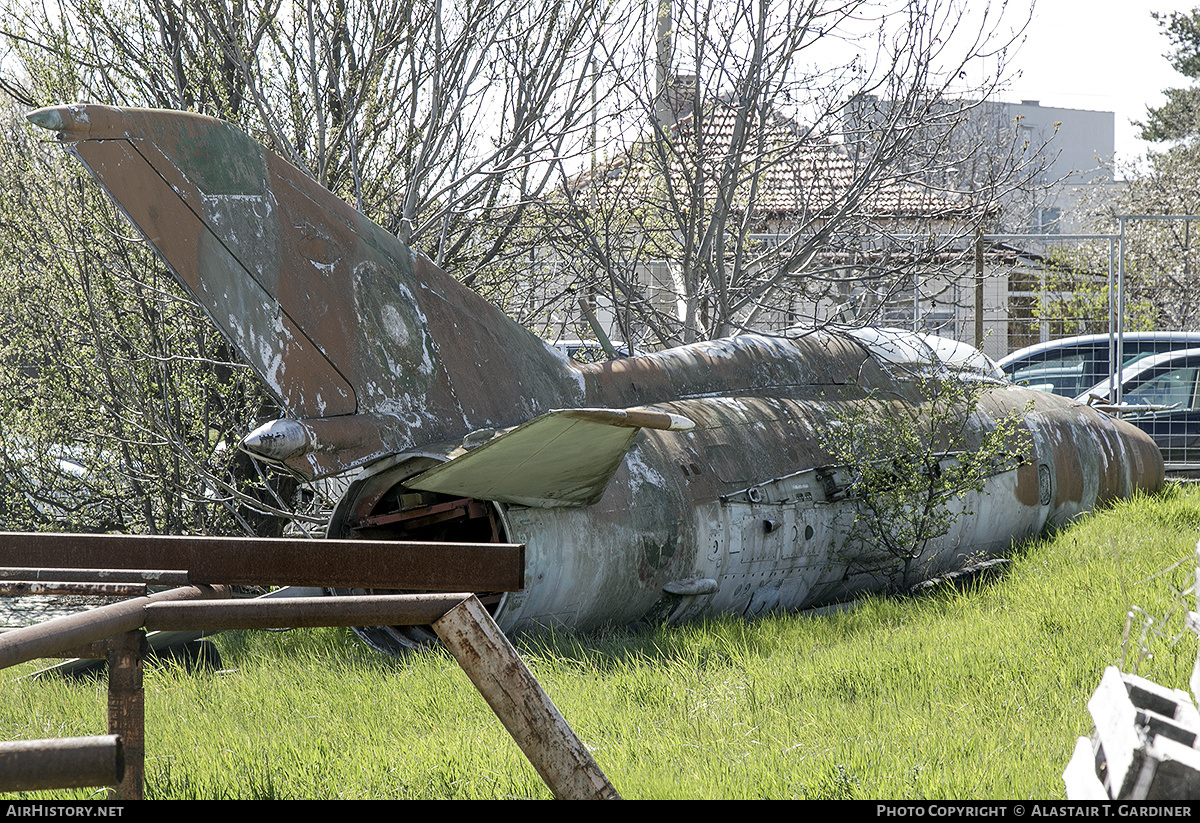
(122, 401)
(469, 130)
(439, 123)
(1162, 276)
(747, 184)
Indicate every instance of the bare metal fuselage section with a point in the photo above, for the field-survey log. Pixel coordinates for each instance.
(742, 514)
(669, 485)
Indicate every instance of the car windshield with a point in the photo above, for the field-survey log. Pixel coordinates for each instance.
(1069, 374)
(1162, 380)
(1176, 387)
(1073, 365)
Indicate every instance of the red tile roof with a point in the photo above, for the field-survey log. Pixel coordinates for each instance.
(802, 177)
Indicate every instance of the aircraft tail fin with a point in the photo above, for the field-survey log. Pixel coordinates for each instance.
(334, 313)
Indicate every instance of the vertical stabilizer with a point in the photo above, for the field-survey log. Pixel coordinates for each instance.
(337, 315)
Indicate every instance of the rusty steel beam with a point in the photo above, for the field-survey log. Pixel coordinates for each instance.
(127, 708)
(55, 636)
(153, 577)
(296, 612)
(494, 666)
(260, 561)
(19, 588)
(64, 763)
(96, 650)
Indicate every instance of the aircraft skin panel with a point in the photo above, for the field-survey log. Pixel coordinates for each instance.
(749, 364)
(247, 315)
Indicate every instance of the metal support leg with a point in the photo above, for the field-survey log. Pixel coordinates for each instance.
(518, 700)
(127, 708)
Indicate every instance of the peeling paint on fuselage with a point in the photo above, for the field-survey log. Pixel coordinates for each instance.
(739, 499)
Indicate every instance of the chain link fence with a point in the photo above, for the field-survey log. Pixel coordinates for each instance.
(1062, 312)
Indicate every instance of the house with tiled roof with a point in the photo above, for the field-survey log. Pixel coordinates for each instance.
(833, 232)
(800, 176)
(775, 187)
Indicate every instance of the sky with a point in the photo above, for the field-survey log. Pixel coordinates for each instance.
(1102, 55)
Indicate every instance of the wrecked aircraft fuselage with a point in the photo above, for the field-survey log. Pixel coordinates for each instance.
(742, 514)
(663, 486)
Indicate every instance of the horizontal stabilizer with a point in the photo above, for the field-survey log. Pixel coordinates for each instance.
(563, 458)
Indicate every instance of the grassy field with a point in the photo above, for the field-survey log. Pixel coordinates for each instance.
(976, 694)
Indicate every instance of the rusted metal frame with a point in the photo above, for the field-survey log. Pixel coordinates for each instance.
(17, 588)
(158, 613)
(416, 522)
(161, 577)
(63, 763)
(484, 653)
(236, 561)
(96, 650)
(494, 522)
(460, 620)
(302, 612)
(56, 636)
(462, 505)
(127, 708)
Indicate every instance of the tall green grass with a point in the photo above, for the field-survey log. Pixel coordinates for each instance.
(973, 694)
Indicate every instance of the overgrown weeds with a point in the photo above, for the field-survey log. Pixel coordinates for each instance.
(959, 694)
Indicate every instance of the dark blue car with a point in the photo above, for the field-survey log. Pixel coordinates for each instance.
(1160, 394)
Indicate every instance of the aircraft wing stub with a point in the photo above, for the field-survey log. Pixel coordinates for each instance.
(563, 458)
(630, 418)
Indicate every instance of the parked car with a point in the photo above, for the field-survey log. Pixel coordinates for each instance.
(1160, 394)
(1074, 364)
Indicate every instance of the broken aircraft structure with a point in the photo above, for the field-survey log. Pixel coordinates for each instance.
(670, 485)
